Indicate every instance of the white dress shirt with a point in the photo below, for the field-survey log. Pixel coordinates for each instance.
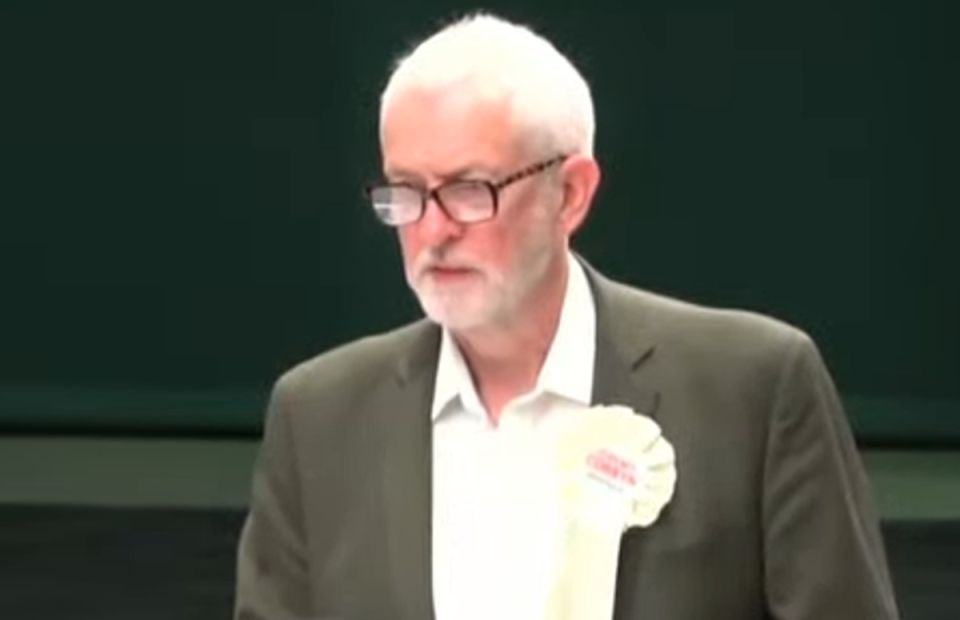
(494, 540)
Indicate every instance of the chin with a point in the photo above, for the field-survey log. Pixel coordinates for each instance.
(456, 314)
(457, 320)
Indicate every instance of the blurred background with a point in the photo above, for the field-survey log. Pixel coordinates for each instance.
(181, 220)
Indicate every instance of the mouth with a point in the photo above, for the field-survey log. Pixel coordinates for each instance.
(445, 273)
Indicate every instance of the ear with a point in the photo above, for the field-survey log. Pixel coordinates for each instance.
(580, 175)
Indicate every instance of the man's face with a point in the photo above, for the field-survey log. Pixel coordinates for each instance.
(470, 275)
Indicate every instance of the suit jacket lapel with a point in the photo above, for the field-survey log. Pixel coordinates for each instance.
(624, 344)
(406, 469)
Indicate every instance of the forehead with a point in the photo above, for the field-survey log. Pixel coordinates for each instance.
(440, 132)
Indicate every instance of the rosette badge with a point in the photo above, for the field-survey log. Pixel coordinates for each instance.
(615, 465)
(614, 470)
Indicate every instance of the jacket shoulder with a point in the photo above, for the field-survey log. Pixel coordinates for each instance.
(713, 334)
(352, 367)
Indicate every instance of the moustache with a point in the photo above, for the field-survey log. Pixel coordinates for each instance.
(431, 260)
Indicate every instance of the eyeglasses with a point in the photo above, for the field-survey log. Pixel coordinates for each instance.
(466, 201)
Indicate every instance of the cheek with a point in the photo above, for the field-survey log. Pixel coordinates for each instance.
(535, 228)
(499, 245)
(496, 245)
(409, 245)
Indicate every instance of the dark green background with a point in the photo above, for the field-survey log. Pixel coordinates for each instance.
(181, 215)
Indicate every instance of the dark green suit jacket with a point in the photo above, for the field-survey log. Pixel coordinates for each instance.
(772, 515)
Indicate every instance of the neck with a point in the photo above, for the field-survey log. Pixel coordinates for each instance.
(505, 358)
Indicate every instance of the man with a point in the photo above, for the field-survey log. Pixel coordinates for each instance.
(394, 479)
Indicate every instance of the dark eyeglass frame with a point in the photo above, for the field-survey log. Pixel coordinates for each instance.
(494, 187)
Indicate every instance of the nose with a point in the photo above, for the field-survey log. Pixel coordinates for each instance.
(436, 227)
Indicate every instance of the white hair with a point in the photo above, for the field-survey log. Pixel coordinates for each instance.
(548, 96)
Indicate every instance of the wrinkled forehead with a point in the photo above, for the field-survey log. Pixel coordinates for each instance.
(430, 130)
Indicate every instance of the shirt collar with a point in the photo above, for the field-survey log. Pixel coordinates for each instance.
(567, 370)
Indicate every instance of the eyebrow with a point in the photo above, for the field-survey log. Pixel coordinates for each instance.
(461, 172)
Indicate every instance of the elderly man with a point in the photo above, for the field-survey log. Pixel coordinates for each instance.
(395, 478)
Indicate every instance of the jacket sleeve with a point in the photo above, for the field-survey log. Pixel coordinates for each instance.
(271, 571)
(824, 557)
